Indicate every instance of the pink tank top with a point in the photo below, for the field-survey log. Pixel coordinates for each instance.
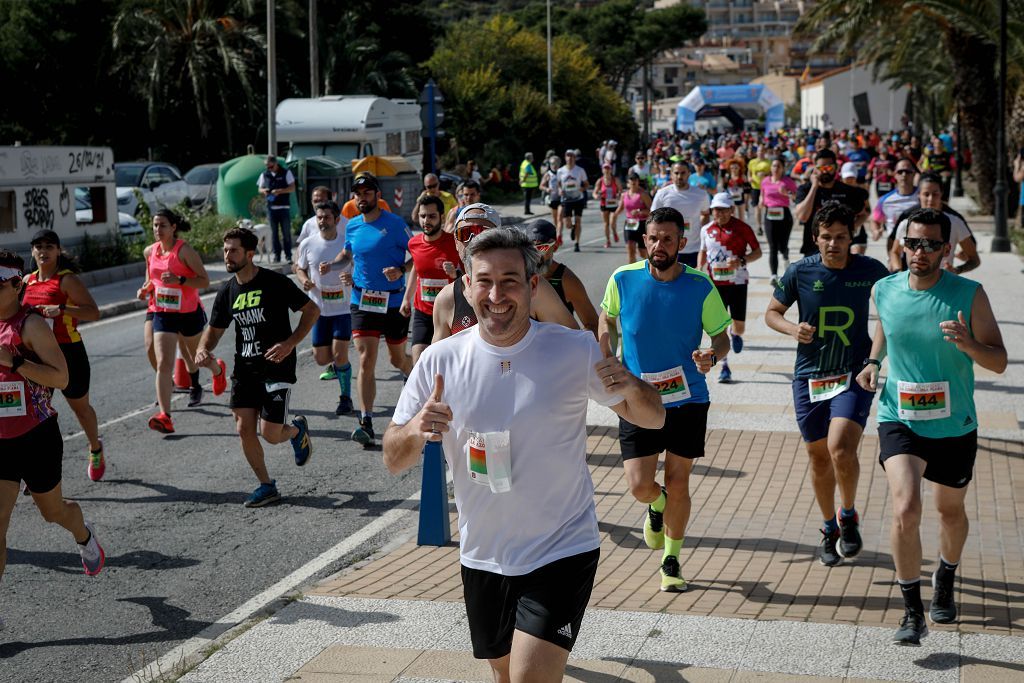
(24, 405)
(170, 297)
(634, 206)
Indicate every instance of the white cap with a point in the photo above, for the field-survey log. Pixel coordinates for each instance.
(479, 210)
(722, 200)
(849, 170)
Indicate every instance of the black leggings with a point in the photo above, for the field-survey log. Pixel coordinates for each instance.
(777, 233)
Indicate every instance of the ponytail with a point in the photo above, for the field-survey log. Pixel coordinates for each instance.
(178, 221)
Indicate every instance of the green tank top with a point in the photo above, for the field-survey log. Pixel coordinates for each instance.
(930, 384)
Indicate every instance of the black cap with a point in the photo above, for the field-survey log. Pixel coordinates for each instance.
(540, 230)
(366, 180)
(48, 236)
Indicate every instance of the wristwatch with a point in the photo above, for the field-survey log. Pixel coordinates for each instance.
(16, 363)
(714, 360)
(873, 361)
(181, 279)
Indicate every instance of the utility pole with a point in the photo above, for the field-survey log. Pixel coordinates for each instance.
(271, 82)
(314, 53)
(1001, 240)
(549, 53)
(959, 191)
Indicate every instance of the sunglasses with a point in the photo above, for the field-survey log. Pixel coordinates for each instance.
(465, 233)
(431, 187)
(830, 168)
(543, 247)
(15, 281)
(904, 171)
(929, 246)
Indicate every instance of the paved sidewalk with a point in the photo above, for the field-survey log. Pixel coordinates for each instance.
(760, 607)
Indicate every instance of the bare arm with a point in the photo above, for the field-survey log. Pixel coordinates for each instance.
(190, 257)
(548, 307)
(867, 378)
(51, 370)
(981, 340)
(84, 307)
(403, 444)
(775, 318)
(576, 293)
(444, 306)
(207, 343)
(641, 404)
(970, 255)
(802, 211)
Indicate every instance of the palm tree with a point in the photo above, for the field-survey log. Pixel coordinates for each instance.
(175, 51)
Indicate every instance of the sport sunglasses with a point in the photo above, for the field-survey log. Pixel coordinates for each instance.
(929, 246)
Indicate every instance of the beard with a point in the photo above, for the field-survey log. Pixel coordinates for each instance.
(661, 263)
(826, 177)
(430, 230)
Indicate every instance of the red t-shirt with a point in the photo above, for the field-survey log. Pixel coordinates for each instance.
(429, 258)
(721, 243)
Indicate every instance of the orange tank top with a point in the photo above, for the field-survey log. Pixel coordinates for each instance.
(48, 293)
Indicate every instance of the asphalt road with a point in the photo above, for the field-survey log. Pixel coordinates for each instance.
(182, 551)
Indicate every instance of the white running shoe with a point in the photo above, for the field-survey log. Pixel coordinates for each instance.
(93, 557)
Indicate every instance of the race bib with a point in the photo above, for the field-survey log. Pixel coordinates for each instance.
(775, 213)
(670, 384)
(168, 298)
(331, 295)
(12, 399)
(884, 187)
(489, 461)
(430, 288)
(722, 272)
(571, 189)
(373, 301)
(632, 224)
(736, 192)
(823, 388)
(923, 400)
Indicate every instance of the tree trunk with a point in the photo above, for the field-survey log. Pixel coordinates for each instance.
(974, 82)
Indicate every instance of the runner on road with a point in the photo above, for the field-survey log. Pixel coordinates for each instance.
(31, 367)
(57, 294)
(823, 186)
(902, 197)
(607, 191)
(529, 541)
(572, 180)
(258, 301)
(727, 245)
(567, 284)
(468, 192)
(777, 191)
(311, 227)
(692, 203)
(664, 308)
(933, 326)
(635, 202)
(832, 291)
(759, 168)
(332, 332)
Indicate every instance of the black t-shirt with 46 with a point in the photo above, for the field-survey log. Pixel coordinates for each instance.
(259, 309)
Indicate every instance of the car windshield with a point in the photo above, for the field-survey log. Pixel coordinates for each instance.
(202, 175)
(129, 175)
(82, 200)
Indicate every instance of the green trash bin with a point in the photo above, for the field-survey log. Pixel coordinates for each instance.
(237, 194)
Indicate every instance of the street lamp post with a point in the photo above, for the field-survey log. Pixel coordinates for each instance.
(271, 82)
(959, 191)
(314, 53)
(549, 53)
(1001, 240)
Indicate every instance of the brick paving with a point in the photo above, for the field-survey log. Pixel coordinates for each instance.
(750, 548)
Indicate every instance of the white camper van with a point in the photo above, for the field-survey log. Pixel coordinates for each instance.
(70, 190)
(347, 127)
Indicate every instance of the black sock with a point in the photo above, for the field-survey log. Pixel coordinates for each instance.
(86, 541)
(912, 595)
(195, 379)
(946, 571)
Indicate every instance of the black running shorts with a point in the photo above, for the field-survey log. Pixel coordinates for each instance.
(422, 327)
(735, 299)
(271, 400)
(548, 603)
(79, 372)
(573, 208)
(683, 434)
(393, 326)
(35, 457)
(949, 461)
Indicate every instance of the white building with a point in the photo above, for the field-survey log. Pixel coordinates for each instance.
(847, 96)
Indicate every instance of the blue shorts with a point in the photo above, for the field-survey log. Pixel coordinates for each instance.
(813, 418)
(328, 328)
(186, 324)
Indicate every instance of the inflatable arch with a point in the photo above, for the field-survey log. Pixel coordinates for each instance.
(724, 95)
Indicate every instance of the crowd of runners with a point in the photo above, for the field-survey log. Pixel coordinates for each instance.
(507, 349)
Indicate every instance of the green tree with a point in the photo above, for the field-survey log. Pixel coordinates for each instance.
(494, 77)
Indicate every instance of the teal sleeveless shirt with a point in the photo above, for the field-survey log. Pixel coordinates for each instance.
(930, 384)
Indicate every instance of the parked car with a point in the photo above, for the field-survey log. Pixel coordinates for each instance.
(160, 184)
(129, 226)
(202, 185)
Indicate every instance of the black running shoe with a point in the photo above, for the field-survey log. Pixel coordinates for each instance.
(912, 629)
(363, 434)
(943, 607)
(195, 396)
(828, 555)
(849, 535)
(344, 405)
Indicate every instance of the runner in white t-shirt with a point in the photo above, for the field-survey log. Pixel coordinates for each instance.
(515, 442)
(320, 194)
(692, 202)
(574, 185)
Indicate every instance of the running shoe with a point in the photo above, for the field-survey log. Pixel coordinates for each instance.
(344, 406)
(607, 244)
(195, 396)
(265, 494)
(943, 607)
(93, 557)
(301, 443)
(725, 376)
(737, 343)
(912, 629)
(576, 247)
(220, 382)
(849, 535)
(97, 463)
(328, 374)
(671, 580)
(654, 528)
(363, 434)
(616, 236)
(161, 422)
(828, 555)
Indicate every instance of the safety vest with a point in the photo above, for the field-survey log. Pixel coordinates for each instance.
(528, 175)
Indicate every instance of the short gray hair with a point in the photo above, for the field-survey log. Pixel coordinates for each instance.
(503, 237)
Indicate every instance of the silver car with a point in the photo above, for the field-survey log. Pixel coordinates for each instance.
(160, 184)
(202, 185)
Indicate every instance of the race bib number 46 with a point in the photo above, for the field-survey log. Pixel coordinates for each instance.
(12, 399)
(670, 384)
(923, 400)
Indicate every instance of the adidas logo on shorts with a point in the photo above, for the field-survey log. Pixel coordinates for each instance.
(566, 631)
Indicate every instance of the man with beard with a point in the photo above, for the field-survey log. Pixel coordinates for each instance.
(934, 326)
(433, 267)
(961, 240)
(508, 401)
(823, 187)
(664, 308)
(258, 301)
(375, 245)
(832, 290)
(468, 192)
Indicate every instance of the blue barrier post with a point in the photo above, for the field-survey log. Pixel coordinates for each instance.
(435, 528)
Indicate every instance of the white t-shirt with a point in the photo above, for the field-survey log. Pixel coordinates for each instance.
(537, 391)
(329, 294)
(689, 202)
(310, 228)
(958, 233)
(571, 181)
